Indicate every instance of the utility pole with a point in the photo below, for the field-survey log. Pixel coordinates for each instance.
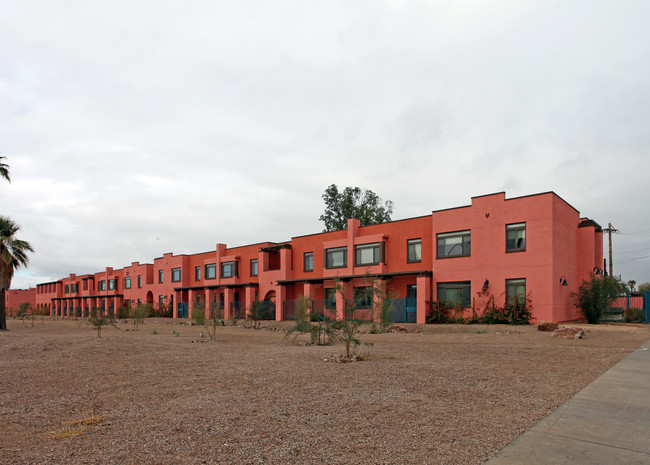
(609, 230)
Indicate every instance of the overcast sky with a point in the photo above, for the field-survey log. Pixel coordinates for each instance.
(134, 128)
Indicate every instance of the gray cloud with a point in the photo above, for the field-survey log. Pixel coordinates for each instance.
(138, 128)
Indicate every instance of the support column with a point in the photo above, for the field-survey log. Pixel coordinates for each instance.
(423, 296)
(209, 312)
(228, 296)
(249, 298)
(176, 301)
(378, 299)
(191, 301)
(340, 299)
(280, 297)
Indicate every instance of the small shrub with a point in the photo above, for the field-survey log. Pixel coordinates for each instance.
(123, 312)
(175, 333)
(139, 313)
(98, 321)
(154, 331)
(209, 323)
(595, 295)
(633, 315)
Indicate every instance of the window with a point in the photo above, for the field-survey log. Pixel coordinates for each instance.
(67, 289)
(516, 237)
(197, 273)
(452, 294)
(363, 297)
(160, 276)
(414, 250)
(309, 261)
(112, 284)
(367, 254)
(101, 285)
(336, 258)
(454, 244)
(254, 267)
(211, 271)
(74, 288)
(127, 283)
(176, 275)
(330, 297)
(161, 301)
(515, 289)
(140, 280)
(228, 269)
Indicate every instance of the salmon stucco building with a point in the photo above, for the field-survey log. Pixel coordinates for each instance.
(14, 298)
(536, 245)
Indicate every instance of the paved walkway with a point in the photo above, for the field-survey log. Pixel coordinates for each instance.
(608, 423)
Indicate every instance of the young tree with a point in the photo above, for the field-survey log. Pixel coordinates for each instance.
(353, 202)
(23, 312)
(13, 255)
(595, 295)
(347, 329)
(209, 322)
(138, 314)
(98, 321)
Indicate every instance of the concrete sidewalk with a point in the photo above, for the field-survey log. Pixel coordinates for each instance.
(608, 422)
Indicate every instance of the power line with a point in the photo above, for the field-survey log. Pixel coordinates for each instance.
(635, 251)
(632, 259)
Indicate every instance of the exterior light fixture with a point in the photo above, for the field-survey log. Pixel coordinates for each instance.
(563, 281)
(486, 283)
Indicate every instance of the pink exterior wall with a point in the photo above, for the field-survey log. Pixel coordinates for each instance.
(560, 246)
(15, 297)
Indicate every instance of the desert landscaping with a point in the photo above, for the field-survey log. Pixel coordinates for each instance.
(438, 394)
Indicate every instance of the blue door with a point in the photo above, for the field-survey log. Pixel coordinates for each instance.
(411, 303)
(182, 310)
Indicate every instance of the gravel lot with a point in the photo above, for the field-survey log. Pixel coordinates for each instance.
(441, 395)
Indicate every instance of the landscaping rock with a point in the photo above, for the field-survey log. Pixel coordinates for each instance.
(547, 326)
(569, 333)
(397, 329)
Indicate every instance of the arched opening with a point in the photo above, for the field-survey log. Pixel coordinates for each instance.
(268, 313)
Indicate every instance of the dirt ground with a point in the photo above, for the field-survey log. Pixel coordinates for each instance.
(441, 395)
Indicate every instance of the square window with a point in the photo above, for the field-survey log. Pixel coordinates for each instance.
(516, 237)
(453, 294)
(363, 297)
(228, 269)
(367, 254)
(161, 275)
(211, 271)
(112, 284)
(515, 289)
(127, 283)
(309, 261)
(197, 273)
(414, 250)
(330, 297)
(454, 244)
(176, 275)
(101, 285)
(254, 267)
(336, 258)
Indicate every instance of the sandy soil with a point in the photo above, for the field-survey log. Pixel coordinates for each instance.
(445, 395)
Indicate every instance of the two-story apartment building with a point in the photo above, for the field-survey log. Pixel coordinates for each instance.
(535, 245)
